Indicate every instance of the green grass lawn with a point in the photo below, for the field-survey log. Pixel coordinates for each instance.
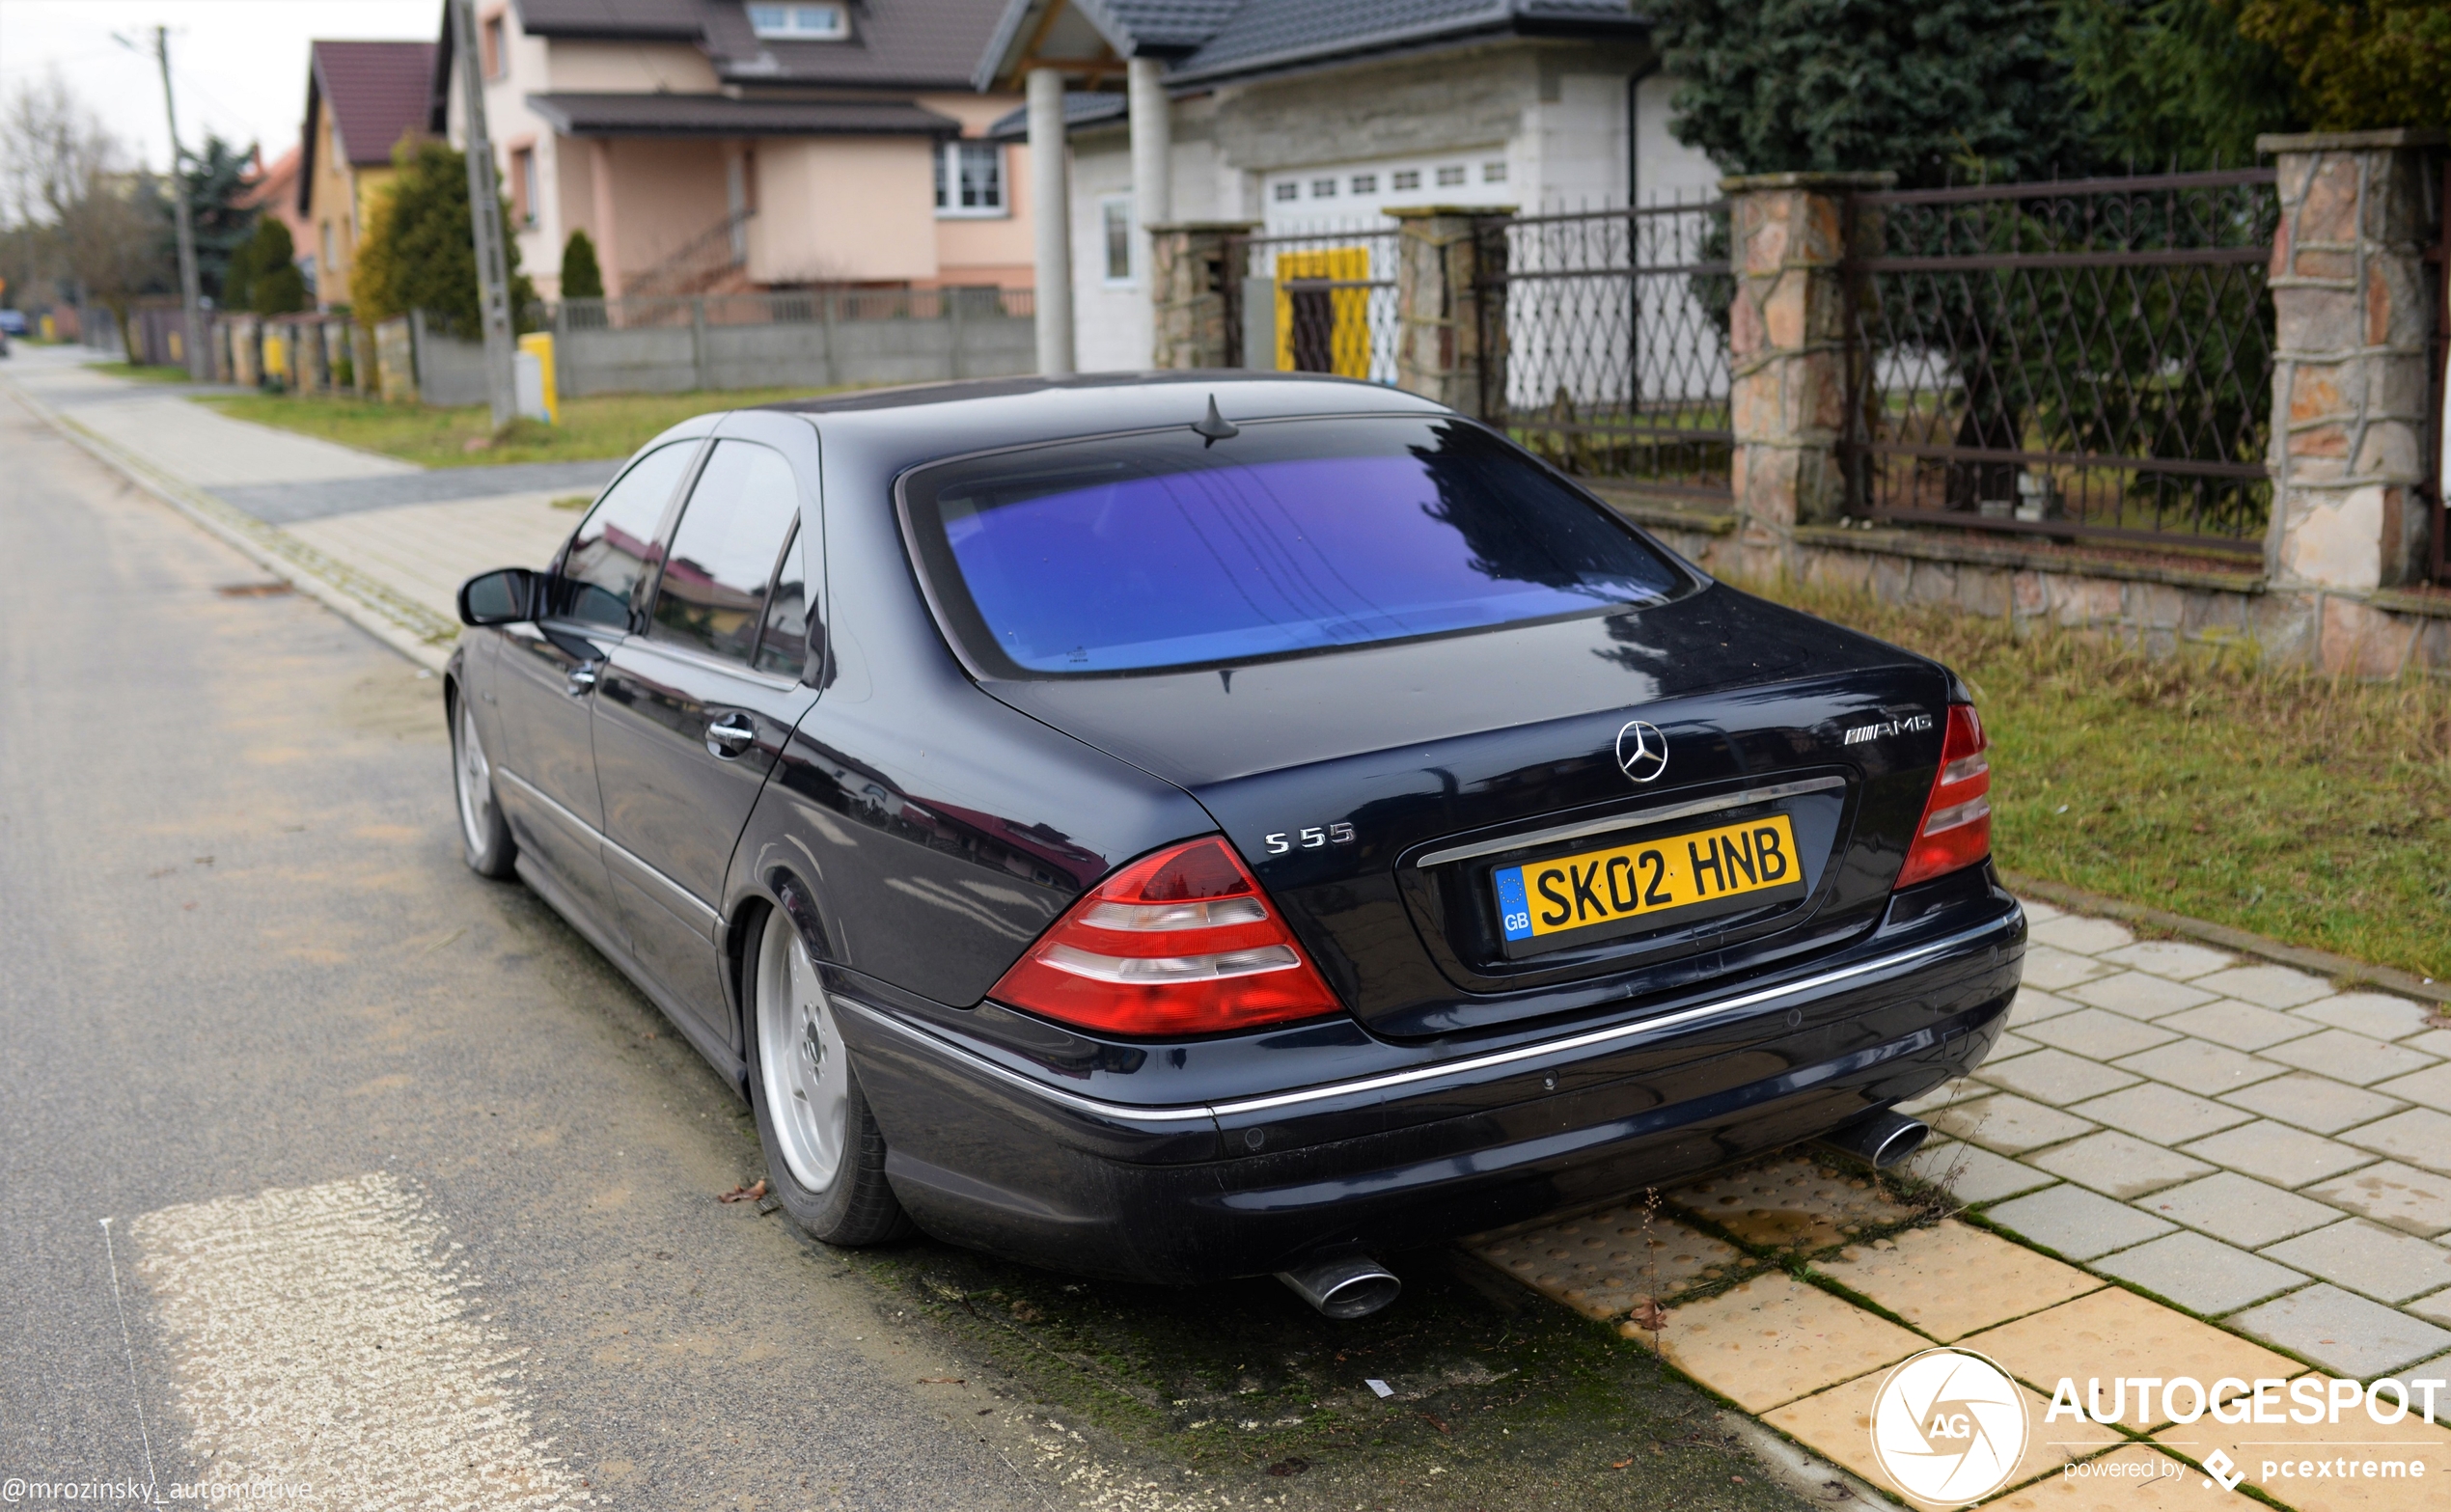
(603, 426)
(2313, 809)
(142, 371)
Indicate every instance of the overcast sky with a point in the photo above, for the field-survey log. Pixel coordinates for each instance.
(239, 66)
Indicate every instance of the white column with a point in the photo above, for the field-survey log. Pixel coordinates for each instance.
(1152, 145)
(1152, 171)
(1050, 217)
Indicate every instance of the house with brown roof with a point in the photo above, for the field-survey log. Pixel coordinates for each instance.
(362, 98)
(717, 145)
(273, 190)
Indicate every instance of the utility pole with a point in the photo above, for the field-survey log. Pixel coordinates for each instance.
(190, 290)
(485, 218)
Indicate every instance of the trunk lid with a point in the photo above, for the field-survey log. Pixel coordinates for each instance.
(1382, 794)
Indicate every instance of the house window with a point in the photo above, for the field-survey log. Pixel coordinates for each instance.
(801, 23)
(1288, 190)
(970, 179)
(1450, 177)
(523, 186)
(1115, 220)
(1493, 173)
(1323, 188)
(1365, 183)
(494, 60)
(1405, 179)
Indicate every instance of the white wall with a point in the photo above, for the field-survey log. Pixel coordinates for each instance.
(1665, 169)
(1518, 123)
(1113, 327)
(1573, 146)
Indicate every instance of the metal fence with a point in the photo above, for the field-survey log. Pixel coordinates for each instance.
(1615, 344)
(2089, 359)
(1321, 301)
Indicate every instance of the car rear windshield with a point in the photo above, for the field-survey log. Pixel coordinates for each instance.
(1166, 550)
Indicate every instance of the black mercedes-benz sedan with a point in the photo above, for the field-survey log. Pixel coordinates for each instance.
(1184, 826)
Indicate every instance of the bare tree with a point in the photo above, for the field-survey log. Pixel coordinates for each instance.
(68, 205)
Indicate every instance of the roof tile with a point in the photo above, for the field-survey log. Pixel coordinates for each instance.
(376, 92)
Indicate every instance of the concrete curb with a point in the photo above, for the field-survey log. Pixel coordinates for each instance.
(2322, 963)
(407, 627)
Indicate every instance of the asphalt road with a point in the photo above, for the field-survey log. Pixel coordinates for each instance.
(329, 1167)
(238, 954)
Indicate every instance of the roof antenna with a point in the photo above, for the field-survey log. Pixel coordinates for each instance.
(1215, 427)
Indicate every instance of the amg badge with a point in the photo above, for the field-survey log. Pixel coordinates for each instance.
(1888, 727)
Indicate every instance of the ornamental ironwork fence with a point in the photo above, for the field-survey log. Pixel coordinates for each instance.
(1614, 352)
(2089, 359)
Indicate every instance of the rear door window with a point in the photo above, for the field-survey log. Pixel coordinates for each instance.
(783, 647)
(725, 552)
(1163, 550)
(607, 555)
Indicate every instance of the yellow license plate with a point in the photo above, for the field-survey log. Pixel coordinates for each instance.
(1647, 880)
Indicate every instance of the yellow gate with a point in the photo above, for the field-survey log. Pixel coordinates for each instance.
(1348, 345)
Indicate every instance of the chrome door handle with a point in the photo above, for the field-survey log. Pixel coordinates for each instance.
(582, 679)
(731, 735)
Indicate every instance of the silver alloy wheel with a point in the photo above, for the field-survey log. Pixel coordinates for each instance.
(800, 1057)
(475, 783)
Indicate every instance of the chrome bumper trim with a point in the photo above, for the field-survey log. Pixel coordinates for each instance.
(1617, 1037)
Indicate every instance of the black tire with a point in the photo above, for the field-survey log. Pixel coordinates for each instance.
(484, 834)
(853, 1205)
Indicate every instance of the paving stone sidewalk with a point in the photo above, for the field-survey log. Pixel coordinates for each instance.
(2177, 1161)
(2236, 1138)
(382, 542)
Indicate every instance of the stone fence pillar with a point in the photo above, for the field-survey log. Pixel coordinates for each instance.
(1188, 280)
(2352, 308)
(362, 361)
(246, 351)
(1788, 342)
(396, 360)
(1450, 305)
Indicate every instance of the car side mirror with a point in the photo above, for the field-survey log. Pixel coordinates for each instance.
(504, 596)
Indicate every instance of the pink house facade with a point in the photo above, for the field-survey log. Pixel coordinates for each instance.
(712, 145)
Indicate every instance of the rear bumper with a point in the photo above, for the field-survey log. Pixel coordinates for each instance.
(987, 1154)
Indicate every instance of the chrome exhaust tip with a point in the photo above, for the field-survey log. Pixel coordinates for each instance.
(1884, 1138)
(1348, 1287)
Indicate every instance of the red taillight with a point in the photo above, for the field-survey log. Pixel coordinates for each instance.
(1956, 830)
(1180, 942)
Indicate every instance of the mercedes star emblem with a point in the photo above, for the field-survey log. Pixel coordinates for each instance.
(1642, 751)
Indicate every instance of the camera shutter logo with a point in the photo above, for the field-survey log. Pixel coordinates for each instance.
(1948, 1426)
(1642, 751)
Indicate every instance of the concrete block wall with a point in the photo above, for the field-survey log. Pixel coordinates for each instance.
(678, 359)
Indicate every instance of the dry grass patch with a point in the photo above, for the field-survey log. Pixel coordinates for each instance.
(2312, 809)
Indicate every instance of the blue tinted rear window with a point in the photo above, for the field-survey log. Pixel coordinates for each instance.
(1135, 553)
